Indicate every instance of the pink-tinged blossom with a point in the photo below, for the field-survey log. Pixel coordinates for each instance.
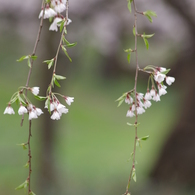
(35, 90)
(130, 113)
(148, 95)
(152, 92)
(147, 103)
(49, 13)
(156, 97)
(55, 115)
(161, 69)
(32, 115)
(139, 96)
(128, 99)
(162, 90)
(58, 5)
(9, 110)
(54, 25)
(159, 77)
(62, 109)
(22, 110)
(140, 110)
(69, 100)
(133, 107)
(170, 80)
(38, 111)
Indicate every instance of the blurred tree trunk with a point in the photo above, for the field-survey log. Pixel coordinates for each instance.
(47, 177)
(177, 159)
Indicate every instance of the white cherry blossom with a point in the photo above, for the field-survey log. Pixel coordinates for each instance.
(35, 90)
(22, 110)
(170, 80)
(9, 110)
(55, 115)
(130, 113)
(69, 100)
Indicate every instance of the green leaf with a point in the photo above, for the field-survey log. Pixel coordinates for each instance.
(29, 62)
(65, 41)
(26, 165)
(23, 145)
(134, 175)
(147, 36)
(32, 193)
(59, 77)
(129, 6)
(120, 102)
(61, 23)
(138, 143)
(49, 62)
(166, 71)
(121, 97)
(65, 51)
(23, 185)
(146, 43)
(144, 138)
(134, 30)
(128, 50)
(23, 58)
(41, 98)
(48, 105)
(56, 82)
(34, 57)
(129, 57)
(130, 124)
(149, 14)
(71, 44)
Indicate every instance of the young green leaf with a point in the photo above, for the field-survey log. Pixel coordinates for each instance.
(40, 98)
(32, 193)
(129, 57)
(48, 105)
(62, 25)
(26, 165)
(147, 36)
(59, 77)
(134, 175)
(29, 63)
(166, 71)
(65, 51)
(23, 58)
(144, 138)
(129, 6)
(149, 14)
(120, 102)
(146, 43)
(65, 41)
(23, 185)
(121, 97)
(56, 82)
(71, 44)
(34, 57)
(23, 145)
(49, 62)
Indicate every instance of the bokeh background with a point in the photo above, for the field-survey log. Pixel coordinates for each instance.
(87, 151)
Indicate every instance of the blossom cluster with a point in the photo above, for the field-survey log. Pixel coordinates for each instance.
(57, 108)
(157, 90)
(53, 10)
(26, 107)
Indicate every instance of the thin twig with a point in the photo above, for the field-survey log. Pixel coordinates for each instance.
(135, 91)
(34, 51)
(59, 46)
(29, 158)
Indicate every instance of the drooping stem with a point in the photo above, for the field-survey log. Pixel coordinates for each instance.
(29, 158)
(34, 51)
(135, 92)
(59, 46)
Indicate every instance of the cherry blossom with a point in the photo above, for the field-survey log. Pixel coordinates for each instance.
(9, 110)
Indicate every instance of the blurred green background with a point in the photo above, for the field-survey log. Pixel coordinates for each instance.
(87, 151)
